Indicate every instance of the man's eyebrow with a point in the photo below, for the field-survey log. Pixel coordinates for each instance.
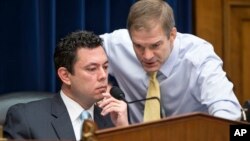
(157, 42)
(96, 64)
(160, 41)
(106, 62)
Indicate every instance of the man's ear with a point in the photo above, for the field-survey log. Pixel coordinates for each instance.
(173, 33)
(64, 75)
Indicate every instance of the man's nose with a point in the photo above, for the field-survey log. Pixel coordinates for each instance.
(148, 54)
(103, 74)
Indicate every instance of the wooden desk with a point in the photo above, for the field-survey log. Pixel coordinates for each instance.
(1, 134)
(192, 127)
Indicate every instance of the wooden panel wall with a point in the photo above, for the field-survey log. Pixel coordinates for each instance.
(226, 24)
(208, 22)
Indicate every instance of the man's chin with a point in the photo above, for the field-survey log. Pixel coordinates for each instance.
(99, 97)
(151, 69)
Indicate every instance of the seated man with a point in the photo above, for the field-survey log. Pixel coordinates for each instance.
(81, 64)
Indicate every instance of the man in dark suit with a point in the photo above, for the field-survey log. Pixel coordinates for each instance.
(81, 65)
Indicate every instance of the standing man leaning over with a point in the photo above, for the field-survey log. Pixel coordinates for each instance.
(82, 66)
(189, 73)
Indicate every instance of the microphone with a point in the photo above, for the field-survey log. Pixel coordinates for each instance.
(117, 93)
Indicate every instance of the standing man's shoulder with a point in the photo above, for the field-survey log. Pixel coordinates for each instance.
(116, 36)
(195, 49)
(117, 42)
(191, 40)
(117, 32)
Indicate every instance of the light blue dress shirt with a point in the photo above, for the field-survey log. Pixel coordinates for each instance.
(191, 80)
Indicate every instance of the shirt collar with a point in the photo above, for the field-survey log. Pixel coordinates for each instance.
(74, 109)
(168, 66)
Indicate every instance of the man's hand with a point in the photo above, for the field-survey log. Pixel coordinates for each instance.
(116, 108)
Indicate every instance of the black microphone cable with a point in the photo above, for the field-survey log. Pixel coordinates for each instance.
(151, 98)
(117, 93)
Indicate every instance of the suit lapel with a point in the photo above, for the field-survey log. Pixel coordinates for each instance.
(62, 123)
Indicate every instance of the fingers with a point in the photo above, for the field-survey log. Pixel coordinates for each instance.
(109, 109)
(116, 108)
(110, 104)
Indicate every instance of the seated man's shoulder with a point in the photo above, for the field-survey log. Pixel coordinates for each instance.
(32, 106)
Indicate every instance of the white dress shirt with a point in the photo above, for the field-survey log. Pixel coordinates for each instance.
(75, 110)
(191, 80)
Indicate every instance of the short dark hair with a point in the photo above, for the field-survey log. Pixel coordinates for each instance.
(65, 52)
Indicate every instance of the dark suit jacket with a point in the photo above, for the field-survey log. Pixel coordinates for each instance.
(45, 119)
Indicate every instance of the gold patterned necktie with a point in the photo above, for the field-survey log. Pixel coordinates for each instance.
(152, 106)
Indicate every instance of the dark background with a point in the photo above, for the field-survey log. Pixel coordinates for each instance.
(30, 29)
